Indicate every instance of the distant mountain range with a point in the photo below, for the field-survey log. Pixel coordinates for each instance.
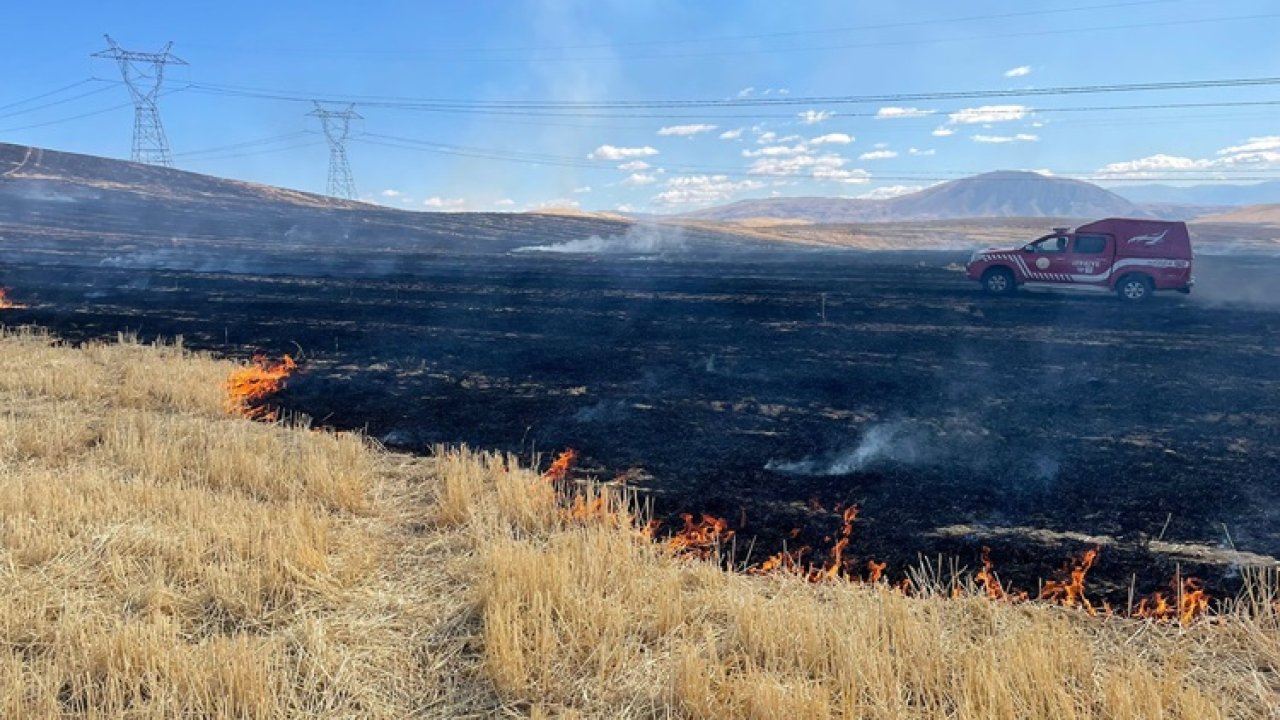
(998, 194)
(1253, 194)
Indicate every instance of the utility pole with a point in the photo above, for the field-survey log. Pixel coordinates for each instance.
(143, 74)
(337, 127)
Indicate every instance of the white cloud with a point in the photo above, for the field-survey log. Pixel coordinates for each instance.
(1257, 152)
(813, 117)
(921, 153)
(733, 134)
(989, 114)
(634, 165)
(1020, 71)
(770, 137)
(557, 204)
(1264, 151)
(890, 191)
(625, 208)
(878, 155)
(504, 202)
(851, 177)
(880, 145)
(776, 151)
(391, 193)
(832, 139)
(1153, 164)
(582, 190)
(746, 92)
(702, 189)
(1000, 139)
(818, 167)
(942, 131)
(440, 203)
(686, 130)
(638, 179)
(902, 112)
(610, 152)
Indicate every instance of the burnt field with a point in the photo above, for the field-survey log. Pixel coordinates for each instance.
(1039, 425)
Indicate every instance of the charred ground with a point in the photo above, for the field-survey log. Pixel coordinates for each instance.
(1038, 425)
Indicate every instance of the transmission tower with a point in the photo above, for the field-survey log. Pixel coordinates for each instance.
(143, 74)
(337, 126)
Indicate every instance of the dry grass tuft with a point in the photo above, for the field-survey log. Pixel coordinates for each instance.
(160, 559)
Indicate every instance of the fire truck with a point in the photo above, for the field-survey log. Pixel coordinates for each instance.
(1132, 258)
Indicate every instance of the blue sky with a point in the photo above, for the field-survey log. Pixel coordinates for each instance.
(659, 159)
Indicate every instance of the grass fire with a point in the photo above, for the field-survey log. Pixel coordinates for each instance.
(6, 303)
(249, 386)
(249, 569)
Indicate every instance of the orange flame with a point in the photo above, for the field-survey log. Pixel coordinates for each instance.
(559, 469)
(987, 580)
(702, 539)
(1070, 592)
(1188, 603)
(6, 303)
(248, 386)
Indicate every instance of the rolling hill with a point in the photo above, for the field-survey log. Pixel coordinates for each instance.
(995, 194)
(1249, 214)
(1233, 195)
(66, 208)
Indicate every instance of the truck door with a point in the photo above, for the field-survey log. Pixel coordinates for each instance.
(1046, 259)
(1090, 257)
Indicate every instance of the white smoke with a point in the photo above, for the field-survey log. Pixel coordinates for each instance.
(894, 442)
(637, 240)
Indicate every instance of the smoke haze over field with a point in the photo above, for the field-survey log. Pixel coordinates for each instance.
(637, 240)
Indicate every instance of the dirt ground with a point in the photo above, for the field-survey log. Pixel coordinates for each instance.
(1038, 425)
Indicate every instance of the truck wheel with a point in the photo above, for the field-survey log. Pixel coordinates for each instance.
(1134, 288)
(998, 281)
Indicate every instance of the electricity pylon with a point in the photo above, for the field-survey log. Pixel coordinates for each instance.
(143, 74)
(337, 127)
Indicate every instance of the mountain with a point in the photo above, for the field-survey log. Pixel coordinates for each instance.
(1249, 214)
(66, 208)
(1012, 194)
(1251, 194)
(994, 194)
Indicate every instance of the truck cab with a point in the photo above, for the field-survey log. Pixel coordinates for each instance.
(1132, 258)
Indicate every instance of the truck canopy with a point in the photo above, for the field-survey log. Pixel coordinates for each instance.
(1144, 238)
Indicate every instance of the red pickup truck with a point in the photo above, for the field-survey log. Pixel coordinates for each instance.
(1132, 258)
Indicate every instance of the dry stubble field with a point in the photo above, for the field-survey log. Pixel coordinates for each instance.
(162, 558)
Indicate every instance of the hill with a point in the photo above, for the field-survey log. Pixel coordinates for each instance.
(1249, 214)
(60, 207)
(1245, 194)
(993, 194)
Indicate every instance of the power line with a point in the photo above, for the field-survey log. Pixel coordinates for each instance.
(453, 53)
(526, 106)
(54, 103)
(255, 153)
(892, 43)
(51, 93)
(519, 157)
(248, 143)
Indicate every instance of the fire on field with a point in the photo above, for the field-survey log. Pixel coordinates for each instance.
(160, 558)
(712, 538)
(6, 303)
